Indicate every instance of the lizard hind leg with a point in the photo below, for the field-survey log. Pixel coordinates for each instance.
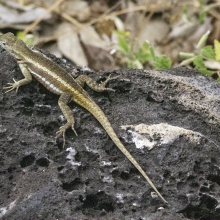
(64, 99)
(82, 79)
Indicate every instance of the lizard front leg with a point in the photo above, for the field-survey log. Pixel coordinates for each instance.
(82, 79)
(64, 99)
(17, 84)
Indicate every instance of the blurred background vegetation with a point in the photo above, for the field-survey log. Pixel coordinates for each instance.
(112, 34)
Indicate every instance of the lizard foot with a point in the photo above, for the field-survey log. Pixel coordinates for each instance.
(62, 131)
(12, 86)
(103, 84)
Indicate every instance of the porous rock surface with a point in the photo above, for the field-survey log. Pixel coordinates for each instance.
(173, 113)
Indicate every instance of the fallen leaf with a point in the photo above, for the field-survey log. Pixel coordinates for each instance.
(69, 45)
(212, 64)
(10, 15)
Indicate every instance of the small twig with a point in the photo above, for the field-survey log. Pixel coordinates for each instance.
(80, 25)
(214, 13)
(106, 15)
(70, 19)
(129, 10)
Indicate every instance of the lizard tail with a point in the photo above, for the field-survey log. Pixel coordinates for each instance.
(100, 116)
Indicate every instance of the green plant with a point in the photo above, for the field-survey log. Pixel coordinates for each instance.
(29, 39)
(203, 58)
(204, 7)
(145, 53)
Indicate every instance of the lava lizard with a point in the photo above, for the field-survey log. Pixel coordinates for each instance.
(57, 80)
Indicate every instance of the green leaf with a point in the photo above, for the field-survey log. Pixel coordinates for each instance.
(152, 53)
(21, 35)
(159, 62)
(200, 66)
(187, 61)
(123, 42)
(162, 62)
(203, 39)
(208, 52)
(143, 54)
(202, 16)
(186, 55)
(135, 64)
(29, 39)
(217, 49)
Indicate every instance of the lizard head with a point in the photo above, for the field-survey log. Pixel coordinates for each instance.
(10, 42)
(7, 41)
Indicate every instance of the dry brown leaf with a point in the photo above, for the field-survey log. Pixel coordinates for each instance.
(10, 15)
(78, 8)
(70, 46)
(85, 47)
(212, 64)
(154, 30)
(89, 36)
(106, 26)
(183, 28)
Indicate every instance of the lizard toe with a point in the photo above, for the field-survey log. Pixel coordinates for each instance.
(74, 130)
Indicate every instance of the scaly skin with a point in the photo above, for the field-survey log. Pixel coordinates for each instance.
(59, 81)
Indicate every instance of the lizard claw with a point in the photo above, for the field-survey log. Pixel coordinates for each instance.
(62, 131)
(110, 89)
(103, 84)
(109, 78)
(74, 130)
(12, 86)
(59, 133)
